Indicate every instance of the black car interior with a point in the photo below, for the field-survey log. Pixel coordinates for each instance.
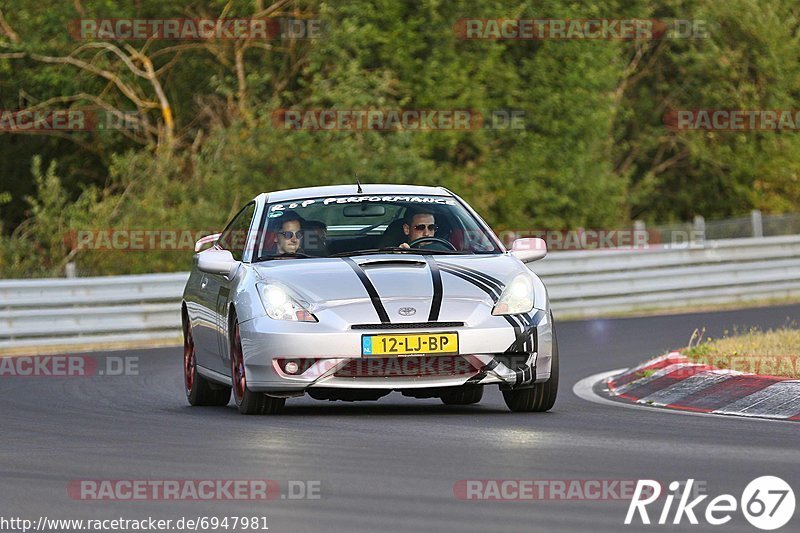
(393, 235)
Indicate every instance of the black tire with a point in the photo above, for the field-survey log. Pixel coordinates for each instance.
(464, 395)
(247, 401)
(542, 396)
(199, 391)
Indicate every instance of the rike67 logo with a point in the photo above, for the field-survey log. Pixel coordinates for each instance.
(767, 503)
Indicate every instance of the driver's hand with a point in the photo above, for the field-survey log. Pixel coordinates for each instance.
(404, 245)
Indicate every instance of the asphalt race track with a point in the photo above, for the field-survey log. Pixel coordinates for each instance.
(390, 465)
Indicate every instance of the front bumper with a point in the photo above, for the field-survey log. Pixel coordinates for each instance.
(331, 358)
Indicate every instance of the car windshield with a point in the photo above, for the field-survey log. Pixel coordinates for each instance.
(363, 224)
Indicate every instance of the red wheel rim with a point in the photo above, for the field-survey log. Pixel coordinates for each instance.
(188, 359)
(237, 366)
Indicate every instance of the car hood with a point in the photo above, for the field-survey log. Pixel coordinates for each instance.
(400, 283)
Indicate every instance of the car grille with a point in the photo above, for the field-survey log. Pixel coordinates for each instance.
(408, 325)
(405, 367)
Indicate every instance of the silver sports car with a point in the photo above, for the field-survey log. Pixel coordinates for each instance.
(351, 292)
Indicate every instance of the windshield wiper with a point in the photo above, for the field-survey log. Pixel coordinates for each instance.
(388, 249)
(371, 251)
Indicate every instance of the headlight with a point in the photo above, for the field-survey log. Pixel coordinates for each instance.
(281, 306)
(517, 297)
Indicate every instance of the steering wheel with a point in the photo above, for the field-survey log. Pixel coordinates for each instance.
(432, 240)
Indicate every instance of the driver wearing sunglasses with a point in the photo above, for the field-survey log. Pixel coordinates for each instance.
(418, 226)
(290, 234)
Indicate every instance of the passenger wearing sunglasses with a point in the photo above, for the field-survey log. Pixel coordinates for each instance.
(417, 226)
(290, 234)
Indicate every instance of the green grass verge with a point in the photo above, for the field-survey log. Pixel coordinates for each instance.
(773, 352)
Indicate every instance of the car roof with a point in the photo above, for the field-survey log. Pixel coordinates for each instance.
(352, 189)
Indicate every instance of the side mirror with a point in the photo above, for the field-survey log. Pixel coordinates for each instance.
(206, 240)
(217, 262)
(529, 250)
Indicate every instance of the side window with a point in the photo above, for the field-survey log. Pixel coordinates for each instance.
(234, 238)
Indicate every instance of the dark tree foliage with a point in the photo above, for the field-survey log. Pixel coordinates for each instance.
(589, 146)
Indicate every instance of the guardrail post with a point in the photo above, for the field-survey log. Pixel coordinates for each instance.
(69, 270)
(756, 222)
(640, 232)
(699, 229)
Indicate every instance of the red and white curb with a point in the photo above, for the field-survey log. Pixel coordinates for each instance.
(675, 382)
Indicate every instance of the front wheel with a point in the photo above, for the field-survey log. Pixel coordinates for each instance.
(248, 402)
(199, 391)
(542, 396)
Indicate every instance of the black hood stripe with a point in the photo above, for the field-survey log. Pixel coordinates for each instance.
(438, 291)
(478, 274)
(524, 325)
(492, 291)
(371, 290)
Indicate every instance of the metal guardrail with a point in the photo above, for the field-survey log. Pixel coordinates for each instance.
(90, 311)
(593, 283)
(137, 309)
